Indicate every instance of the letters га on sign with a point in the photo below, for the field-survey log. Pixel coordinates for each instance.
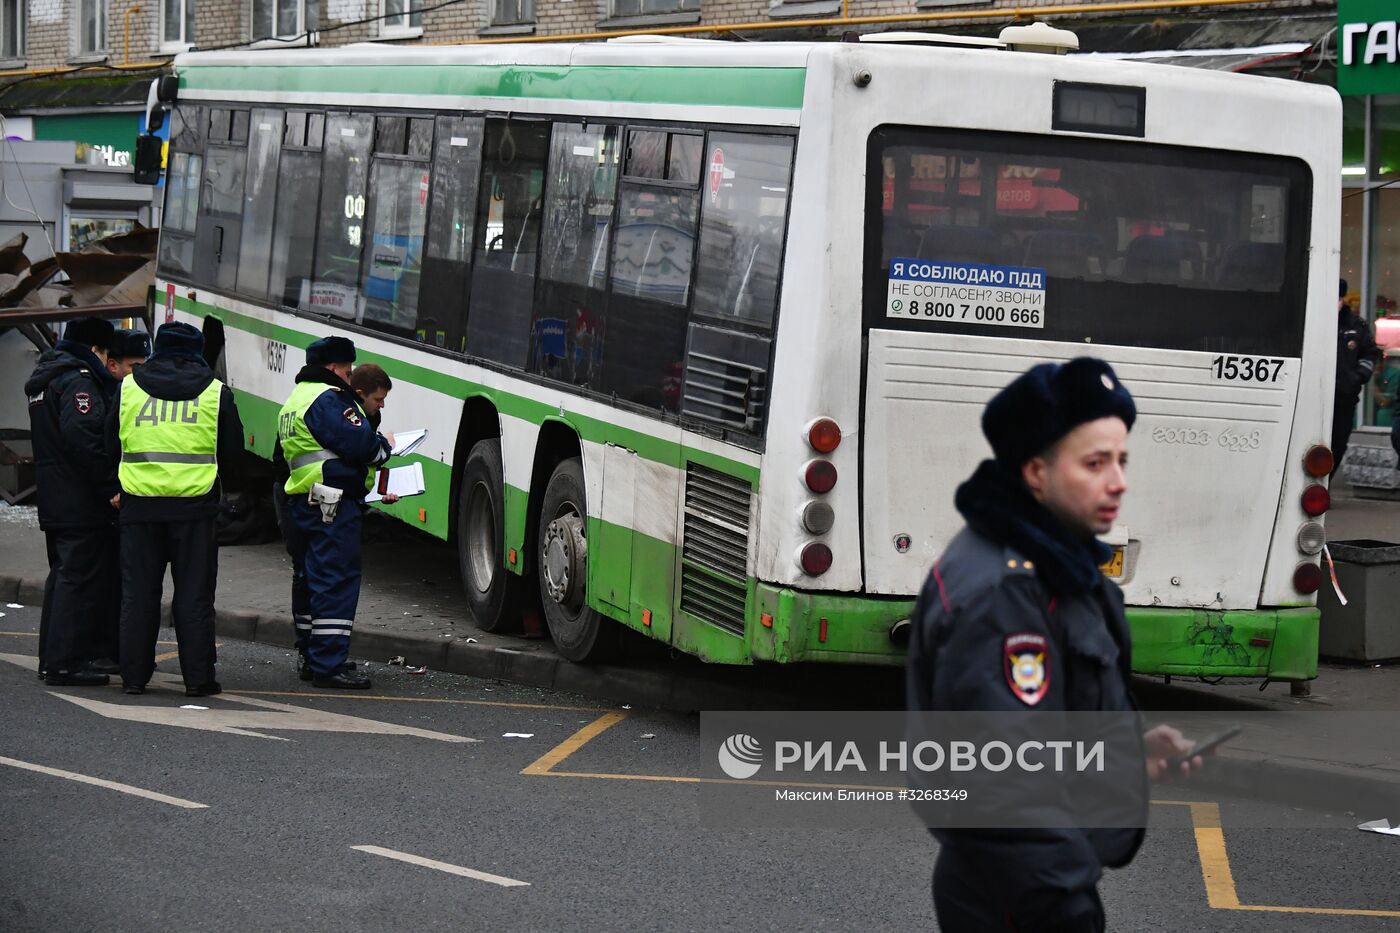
(1368, 47)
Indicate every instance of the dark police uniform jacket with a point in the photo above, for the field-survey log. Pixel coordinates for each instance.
(338, 421)
(984, 601)
(1357, 354)
(69, 393)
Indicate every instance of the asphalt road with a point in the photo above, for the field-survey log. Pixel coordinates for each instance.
(292, 780)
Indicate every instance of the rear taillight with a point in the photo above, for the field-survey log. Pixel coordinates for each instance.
(1311, 537)
(1307, 578)
(824, 435)
(820, 475)
(1318, 461)
(815, 559)
(818, 517)
(1316, 500)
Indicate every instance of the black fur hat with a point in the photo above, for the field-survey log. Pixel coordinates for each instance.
(330, 350)
(130, 343)
(89, 331)
(1048, 401)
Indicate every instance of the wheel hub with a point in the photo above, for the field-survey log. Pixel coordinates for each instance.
(564, 556)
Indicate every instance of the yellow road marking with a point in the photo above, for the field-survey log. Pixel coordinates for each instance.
(167, 656)
(1221, 893)
(546, 762)
(29, 634)
(109, 785)
(412, 699)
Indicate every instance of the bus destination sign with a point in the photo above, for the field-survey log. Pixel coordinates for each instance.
(966, 292)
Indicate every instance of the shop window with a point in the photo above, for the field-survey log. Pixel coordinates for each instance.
(451, 223)
(260, 194)
(571, 301)
(340, 227)
(1385, 130)
(507, 240)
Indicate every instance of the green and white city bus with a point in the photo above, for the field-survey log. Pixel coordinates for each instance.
(701, 331)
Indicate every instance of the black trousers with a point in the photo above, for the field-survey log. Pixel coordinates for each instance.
(79, 592)
(1343, 414)
(967, 902)
(191, 552)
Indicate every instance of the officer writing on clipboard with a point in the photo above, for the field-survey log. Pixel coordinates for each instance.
(330, 446)
(1017, 617)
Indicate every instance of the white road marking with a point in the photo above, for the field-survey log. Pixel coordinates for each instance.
(110, 785)
(443, 866)
(269, 715)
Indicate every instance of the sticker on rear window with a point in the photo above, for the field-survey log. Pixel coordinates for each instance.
(966, 292)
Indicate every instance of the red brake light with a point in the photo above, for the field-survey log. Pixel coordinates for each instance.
(1307, 578)
(824, 435)
(1318, 461)
(816, 559)
(821, 475)
(1316, 500)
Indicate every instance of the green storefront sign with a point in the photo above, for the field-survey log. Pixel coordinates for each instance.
(1368, 47)
(114, 134)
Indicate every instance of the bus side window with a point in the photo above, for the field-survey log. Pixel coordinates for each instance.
(451, 219)
(182, 178)
(394, 226)
(260, 197)
(220, 223)
(566, 340)
(652, 257)
(294, 227)
(340, 228)
(507, 239)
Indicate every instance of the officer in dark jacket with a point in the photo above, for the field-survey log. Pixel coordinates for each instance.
(68, 398)
(1357, 356)
(175, 429)
(1016, 616)
(329, 445)
(128, 350)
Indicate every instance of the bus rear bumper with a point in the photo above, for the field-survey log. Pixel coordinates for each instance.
(1280, 644)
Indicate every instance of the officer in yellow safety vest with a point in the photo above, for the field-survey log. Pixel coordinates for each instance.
(329, 445)
(175, 429)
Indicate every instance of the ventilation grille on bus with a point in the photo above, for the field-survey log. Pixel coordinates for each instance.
(714, 551)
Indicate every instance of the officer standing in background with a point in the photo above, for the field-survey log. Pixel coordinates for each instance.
(1017, 617)
(128, 350)
(174, 426)
(329, 446)
(1357, 356)
(68, 394)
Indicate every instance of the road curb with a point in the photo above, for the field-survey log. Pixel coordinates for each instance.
(1321, 786)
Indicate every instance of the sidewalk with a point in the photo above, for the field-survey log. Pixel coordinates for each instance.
(411, 606)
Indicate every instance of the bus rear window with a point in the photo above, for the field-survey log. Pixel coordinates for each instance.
(1085, 240)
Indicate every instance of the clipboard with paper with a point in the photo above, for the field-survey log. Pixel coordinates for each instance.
(406, 442)
(401, 481)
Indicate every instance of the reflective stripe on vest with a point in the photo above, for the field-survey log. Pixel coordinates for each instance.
(300, 448)
(169, 448)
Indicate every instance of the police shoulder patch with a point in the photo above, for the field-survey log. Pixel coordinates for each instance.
(83, 402)
(1027, 661)
(352, 416)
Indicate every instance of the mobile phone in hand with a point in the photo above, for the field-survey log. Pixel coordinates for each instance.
(1206, 746)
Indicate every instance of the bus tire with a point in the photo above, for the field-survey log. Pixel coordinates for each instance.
(580, 633)
(493, 592)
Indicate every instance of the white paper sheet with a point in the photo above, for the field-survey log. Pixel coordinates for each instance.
(403, 481)
(406, 442)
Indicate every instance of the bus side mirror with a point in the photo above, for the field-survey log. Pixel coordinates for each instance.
(148, 159)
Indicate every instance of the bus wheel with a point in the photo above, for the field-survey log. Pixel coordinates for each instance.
(580, 633)
(492, 591)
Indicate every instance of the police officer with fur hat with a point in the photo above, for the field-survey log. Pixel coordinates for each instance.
(1016, 616)
(175, 429)
(128, 350)
(329, 445)
(68, 396)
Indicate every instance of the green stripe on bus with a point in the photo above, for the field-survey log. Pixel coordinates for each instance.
(527, 409)
(699, 86)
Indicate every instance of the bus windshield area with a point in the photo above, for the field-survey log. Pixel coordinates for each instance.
(1131, 244)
